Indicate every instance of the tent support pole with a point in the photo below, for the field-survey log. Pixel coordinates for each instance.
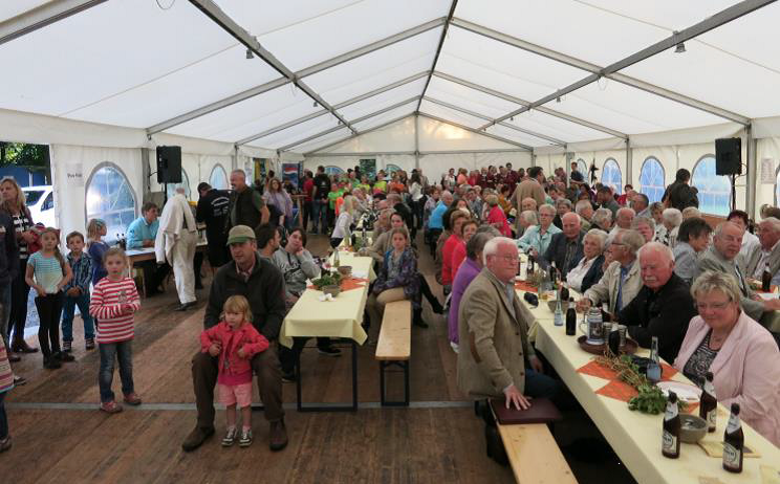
(752, 173)
(629, 163)
(416, 141)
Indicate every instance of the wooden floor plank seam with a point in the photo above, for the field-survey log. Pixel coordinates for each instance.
(191, 406)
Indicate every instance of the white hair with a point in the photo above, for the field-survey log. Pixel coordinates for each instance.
(239, 172)
(548, 207)
(673, 216)
(625, 210)
(530, 216)
(492, 245)
(598, 235)
(581, 206)
(658, 248)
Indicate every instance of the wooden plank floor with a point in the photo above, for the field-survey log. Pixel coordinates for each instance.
(74, 442)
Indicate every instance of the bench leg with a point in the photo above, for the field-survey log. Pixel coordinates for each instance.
(383, 367)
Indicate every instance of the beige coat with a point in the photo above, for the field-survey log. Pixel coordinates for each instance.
(753, 257)
(606, 290)
(529, 189)
(493, 342)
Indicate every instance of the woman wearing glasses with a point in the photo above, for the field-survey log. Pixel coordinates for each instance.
(742, 355)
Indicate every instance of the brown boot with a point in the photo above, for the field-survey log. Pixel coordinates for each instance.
(278, 435)
(196, 438)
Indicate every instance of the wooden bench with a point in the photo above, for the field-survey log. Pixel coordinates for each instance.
(534, 454)
(394, 347)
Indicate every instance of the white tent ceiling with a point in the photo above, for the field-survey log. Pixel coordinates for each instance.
(533, 73)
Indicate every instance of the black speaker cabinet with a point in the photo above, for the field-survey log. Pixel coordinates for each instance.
(728, 156)
(169, 164)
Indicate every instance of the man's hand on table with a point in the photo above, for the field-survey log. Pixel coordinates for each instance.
(515, 398)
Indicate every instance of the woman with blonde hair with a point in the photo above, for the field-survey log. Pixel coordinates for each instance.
(13, 205)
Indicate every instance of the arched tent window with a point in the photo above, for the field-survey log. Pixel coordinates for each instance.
(651, 179)
(714, 190)
(185, 183)
(611, 176)
(111, 198)
(218, 178)
(391, 168)
(582, 167)
(333, 170)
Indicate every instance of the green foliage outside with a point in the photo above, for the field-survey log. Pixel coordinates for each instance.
(30, 156)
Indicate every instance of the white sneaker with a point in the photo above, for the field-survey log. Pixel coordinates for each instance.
(455, 347)
(246, 438)
(230, 437)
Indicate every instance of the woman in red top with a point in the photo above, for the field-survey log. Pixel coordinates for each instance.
(496, 216)
(468, 229)
(457, 219)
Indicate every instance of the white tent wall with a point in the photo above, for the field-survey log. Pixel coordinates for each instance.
(550, 161)
(405, 162)
(72, 168)
(767, 154)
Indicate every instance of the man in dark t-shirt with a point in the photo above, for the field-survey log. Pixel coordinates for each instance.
(320, 201)
(213, 209)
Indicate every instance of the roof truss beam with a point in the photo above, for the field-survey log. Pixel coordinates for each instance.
(443, 37)
(341, 105)
(550, 139)
(41, 16)
(212, 10)
(356, 121)
(523, 102)
(476, 131)
(255, 91)
(347, 138)
(611, 71)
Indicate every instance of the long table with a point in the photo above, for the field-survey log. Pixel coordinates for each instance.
(339, 318)
(636, 437)
(147, 253)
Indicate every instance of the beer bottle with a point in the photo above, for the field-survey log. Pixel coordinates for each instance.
(564, 292)
(708, 404)
(766, 279)
(670, 444)
(571, 318)
(530, 268)
(654, 367)
(733, 442)
(558, 315)
(336, 258)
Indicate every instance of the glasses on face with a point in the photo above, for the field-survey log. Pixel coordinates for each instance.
(512, 259)
(713, 306)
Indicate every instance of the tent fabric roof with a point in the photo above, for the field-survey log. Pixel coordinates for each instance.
(537, 74)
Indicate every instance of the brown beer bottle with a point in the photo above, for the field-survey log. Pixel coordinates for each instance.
(670, 443)
(733, 442)
(766, 279)
(708, 404)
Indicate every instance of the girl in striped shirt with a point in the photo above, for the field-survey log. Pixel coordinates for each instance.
(114, 302)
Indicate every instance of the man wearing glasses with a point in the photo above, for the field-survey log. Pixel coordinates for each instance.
(664, 305)
(720, 257)
(621, 281)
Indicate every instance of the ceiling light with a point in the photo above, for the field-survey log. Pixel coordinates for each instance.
(315, 104)
(558, 99)
(249, 54)
(680, 48)
(512, 118)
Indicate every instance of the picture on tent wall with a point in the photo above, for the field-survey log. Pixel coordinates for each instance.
(368, 167)
(260, 167)
(291, 173)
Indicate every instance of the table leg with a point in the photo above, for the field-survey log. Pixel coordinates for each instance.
(328, 407)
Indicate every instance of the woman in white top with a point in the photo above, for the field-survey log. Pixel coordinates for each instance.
(345, 220)
(590, 268)
(416, 197)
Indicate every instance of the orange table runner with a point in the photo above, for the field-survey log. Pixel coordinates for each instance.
(349, 284)
(617, 388)
(524, 286)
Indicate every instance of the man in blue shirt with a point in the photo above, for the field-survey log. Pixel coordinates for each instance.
(436, 222)
(143, 230)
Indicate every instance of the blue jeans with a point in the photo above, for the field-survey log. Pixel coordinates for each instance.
(5, 313)
(3, 418)
(319, 215)
(123, 351)
(540, 386)
(69, 308)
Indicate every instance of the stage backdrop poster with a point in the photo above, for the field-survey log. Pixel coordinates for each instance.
(368, 167)
(290, 172)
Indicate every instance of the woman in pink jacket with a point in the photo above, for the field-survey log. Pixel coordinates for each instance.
(742, 355)
(236, 341)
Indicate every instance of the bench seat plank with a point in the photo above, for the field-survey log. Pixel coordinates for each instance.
(534, 455)
(395, 339)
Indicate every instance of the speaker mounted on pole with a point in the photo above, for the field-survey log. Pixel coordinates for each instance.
(728, 156)
(169, 164)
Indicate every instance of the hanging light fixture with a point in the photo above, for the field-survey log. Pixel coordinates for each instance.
(680, 48)
(249, 54)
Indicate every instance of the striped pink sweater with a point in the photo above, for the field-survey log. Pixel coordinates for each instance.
(108, 304)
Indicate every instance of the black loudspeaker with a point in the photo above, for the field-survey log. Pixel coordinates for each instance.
(169, 164)
(728, 156)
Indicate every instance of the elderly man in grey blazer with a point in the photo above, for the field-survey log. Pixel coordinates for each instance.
(493, 327)
(769, 253)
(720, 257)
(622, 280)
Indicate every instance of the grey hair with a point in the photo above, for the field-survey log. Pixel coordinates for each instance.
(477, 243)
(547, 206)
(600, 236)
(772, 222)
(643, 220)
(656, 247)
(624, 210)
(530, 216)
(491, 247)
(601, 215)
(488, 229)
(582, 205)
(657, 206)
(563, 201)
(673, 216)
(716, 281)
(690, 212)
(631, 238)
(239, 171)
(572, 214)
(491, 200)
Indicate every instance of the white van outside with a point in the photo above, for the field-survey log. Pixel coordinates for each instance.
(40, 201)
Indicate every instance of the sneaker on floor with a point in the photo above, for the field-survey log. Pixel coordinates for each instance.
(230, 437)
(5, 444)
(110, 407)
(132, 399)
(454, 347)
(67, 346)
(246, 438)
(90, 344)
(329, 351)
(19, 380)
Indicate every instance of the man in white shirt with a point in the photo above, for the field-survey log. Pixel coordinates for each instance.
(769, 253)
(750, 243)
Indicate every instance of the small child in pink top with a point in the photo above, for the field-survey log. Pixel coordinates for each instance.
(235, 341)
